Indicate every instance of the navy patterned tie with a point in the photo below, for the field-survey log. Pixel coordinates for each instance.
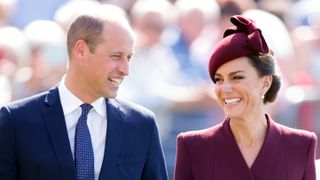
(84, 159)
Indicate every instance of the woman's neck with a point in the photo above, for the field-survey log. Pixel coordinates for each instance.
(249, 130)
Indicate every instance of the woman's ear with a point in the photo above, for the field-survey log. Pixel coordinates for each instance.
(267, 81)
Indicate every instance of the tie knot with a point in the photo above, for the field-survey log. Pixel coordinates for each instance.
(85, 108)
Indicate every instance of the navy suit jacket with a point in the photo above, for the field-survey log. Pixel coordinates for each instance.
(34, 142)
(213, 154)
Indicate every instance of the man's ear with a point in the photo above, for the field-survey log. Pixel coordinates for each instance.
(80, 48)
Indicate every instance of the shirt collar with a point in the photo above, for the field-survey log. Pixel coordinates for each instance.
(100, 106)
(70, 102)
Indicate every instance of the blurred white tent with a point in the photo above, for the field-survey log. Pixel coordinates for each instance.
(274, 31)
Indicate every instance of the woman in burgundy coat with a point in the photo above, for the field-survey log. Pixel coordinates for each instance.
(248, 144)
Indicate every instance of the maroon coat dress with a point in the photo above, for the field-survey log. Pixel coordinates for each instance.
(213, 154)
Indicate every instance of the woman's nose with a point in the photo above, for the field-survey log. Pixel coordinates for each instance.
(226, 87)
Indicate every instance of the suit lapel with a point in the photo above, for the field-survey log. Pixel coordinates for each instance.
(113, 140)
(57, 130)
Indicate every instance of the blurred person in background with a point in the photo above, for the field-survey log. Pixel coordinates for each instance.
(6, 11)
(195, 21)
(126, 5)
(155, 73)
(41, 136)
(15, 55)
(191, 102)
(303, 20)
(5, 86)
(66, 13)
(304, 23)
(46, 41)
(230, 8)
(154, 64)
(248, 144)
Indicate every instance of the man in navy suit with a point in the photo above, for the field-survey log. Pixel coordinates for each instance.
(37, 134)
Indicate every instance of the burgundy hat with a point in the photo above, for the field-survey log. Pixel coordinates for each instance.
(242, 40)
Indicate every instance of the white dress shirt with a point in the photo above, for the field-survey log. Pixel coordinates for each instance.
(97, 123)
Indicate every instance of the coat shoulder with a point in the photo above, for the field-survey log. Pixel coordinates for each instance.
(28, 102)
(131, 107)
(200, 136)
(134, 114)
(296, 135)
(298, 143)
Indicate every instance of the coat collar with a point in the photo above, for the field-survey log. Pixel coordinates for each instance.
(270, 160)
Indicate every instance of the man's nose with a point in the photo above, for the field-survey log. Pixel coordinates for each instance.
(124, 67)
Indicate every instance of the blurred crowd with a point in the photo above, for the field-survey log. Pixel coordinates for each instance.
(174, 40)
